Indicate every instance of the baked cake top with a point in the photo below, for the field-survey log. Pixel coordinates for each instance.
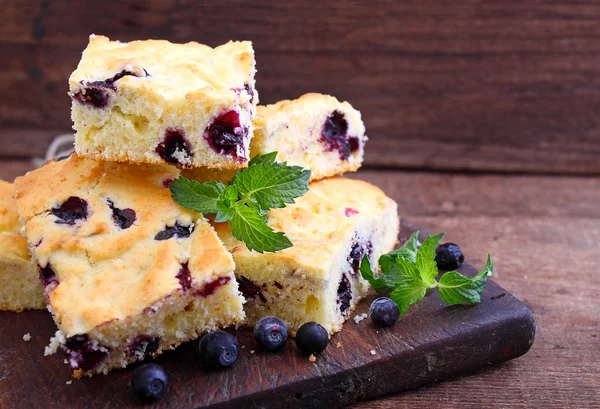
(12, 244)
(321, 224)
(111, 242)
(167, 70)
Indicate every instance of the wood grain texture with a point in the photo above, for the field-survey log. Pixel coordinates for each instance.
(464, 85)
(430, 343)
(544, 234)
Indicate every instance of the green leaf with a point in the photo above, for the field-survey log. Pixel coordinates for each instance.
(426, 258)
(408, 251)
(224, 213)
(265, 186)
(455, 288)
(401, 271)
(200, 197)
(365, 270)
(267, 158)
(250, 227)
(408, 286)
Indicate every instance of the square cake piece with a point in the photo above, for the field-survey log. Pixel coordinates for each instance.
(315, 131)
(128, 272)
(20, 288)
(331, 227)
(157, 102)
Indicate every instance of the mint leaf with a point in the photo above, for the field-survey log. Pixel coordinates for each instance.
(411, 271)
(426, 258)
(246, 200)
(266, 186)
(455, 288)
(250, 227)
(408, 251)
(200, 197)
(365, 270)
(267, 158)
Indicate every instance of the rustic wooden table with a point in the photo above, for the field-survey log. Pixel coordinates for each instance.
(544, 234)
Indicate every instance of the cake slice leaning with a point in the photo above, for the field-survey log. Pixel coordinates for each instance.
(332, 227)
(20, 288)
(315, 131)
(128, 273)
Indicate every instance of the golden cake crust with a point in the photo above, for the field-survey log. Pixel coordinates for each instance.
(19, 286)
(293, 128)
(174, 71)
(106, 272)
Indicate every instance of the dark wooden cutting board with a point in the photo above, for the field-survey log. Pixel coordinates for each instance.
(432, 342)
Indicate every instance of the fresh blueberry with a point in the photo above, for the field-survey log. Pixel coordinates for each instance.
(312, 338)
(270, 333)
(150, 382)
(449, 256)
(219, 349)
(384, 312)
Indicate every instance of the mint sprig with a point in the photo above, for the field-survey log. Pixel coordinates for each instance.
(411, 271)
(265, 184)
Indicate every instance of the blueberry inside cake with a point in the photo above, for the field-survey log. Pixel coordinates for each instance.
(332, 227)
(19, 287)
(153, 101)
(128, 273)
(315, 131)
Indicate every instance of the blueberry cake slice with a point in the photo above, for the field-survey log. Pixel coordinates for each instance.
(128, 273)
(19, 287)
(315, 131)
(157, 102)
(332, 227)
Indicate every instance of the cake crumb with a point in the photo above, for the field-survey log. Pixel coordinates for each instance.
(69, 382)
(373, 352)
(27, 337)
(338, 345)
(359, 318)
(312, 358)
(252, 351)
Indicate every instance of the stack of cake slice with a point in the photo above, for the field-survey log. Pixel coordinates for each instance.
(127, 272)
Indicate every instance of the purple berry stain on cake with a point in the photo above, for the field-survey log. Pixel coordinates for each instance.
(175, 149)
(73, 209)
(250, 290)
(344, 295)
(178, 230)
(142, 347)
(226, 135)
(96, 93)
(335, 136)
(250, 91)
(185, 277)
(123, 218)
(356, 255)
(350, 212)
(48, 276)
(84, 354)
(211, 287)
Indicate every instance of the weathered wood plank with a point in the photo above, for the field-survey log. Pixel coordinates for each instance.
(501, 86)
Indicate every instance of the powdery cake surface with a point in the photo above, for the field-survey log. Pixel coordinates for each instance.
(128, 272)
(158, 102)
